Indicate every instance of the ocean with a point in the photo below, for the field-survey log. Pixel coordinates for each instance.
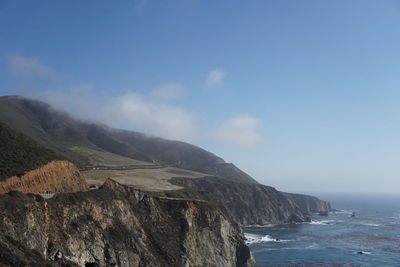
(371, 238)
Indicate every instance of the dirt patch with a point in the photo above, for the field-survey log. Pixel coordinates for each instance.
(144, 179)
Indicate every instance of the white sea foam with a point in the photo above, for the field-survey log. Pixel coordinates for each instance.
(363, 252)
(342, 211)
(253, 238)
(370, 224)
(313, 246)
(327, 222)
(259, 225)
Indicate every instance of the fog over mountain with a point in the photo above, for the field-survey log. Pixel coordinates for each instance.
(199, 133)
(306, 104)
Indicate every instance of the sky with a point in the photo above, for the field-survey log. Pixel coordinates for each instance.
(302, 95)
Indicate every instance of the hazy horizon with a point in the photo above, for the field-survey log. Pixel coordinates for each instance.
(303, 96)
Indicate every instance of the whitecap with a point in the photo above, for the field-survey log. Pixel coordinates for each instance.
(327, 222)
(259, 225)
(370, 224)
(253, 238)
(363, 252)
(342, 211)
(313, 246)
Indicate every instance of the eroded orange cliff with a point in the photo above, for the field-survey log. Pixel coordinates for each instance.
(56, 176)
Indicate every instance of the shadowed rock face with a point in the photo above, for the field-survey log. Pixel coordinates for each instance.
(249, 204)
(310, 204)
(56, 176)
(117, 226)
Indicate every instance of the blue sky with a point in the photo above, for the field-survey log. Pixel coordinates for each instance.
(302, 95)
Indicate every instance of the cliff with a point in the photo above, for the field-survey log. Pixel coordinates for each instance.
(249, 204)
(309, 204)
(117, 226)
(56, 176)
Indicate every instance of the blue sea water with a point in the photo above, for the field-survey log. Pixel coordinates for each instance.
(334, 240)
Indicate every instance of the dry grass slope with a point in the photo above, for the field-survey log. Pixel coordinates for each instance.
(56, 176)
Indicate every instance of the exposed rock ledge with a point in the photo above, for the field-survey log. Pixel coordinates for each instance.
(117, 226)
(249, 204)
(309, 204)
(56, 176)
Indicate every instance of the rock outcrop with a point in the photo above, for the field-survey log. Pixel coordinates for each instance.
(56, 176)
(309, 204)
(249, 204)
(117, 226)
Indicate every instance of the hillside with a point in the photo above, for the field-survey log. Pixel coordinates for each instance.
(56, 176)
(90, 144)
(20, 154)
(165, 167)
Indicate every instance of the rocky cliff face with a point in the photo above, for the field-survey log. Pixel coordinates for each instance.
(249, 204)
(56, 176)
(117, 226)
(309, 204)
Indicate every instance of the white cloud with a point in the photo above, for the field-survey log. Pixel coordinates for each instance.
(130, 111)
(168, 91)
(80, 100)
(163, 120)
(240, 130)
(215, 77)
(149, 113)
(24, 67)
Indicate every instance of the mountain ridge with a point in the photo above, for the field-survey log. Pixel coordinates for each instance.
(84, 143)
(60, 132)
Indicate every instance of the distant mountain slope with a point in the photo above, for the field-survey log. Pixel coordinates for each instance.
(20, 154)
(249, 204)
(72, 137)
(309, 204)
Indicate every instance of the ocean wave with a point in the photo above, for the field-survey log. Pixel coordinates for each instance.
(259, 225)
(326, 222)
(362, 252)
(313, 246)
(342, 211)
(253, 238)
(370, 224)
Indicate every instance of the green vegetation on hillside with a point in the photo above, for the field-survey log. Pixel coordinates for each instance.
(74, 138)
(19, 153)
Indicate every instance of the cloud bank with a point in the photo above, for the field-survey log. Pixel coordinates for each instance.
(130, 111)
(169, 91)
(151, 113)
(240, 130)
(135, 111)
(26, 67)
